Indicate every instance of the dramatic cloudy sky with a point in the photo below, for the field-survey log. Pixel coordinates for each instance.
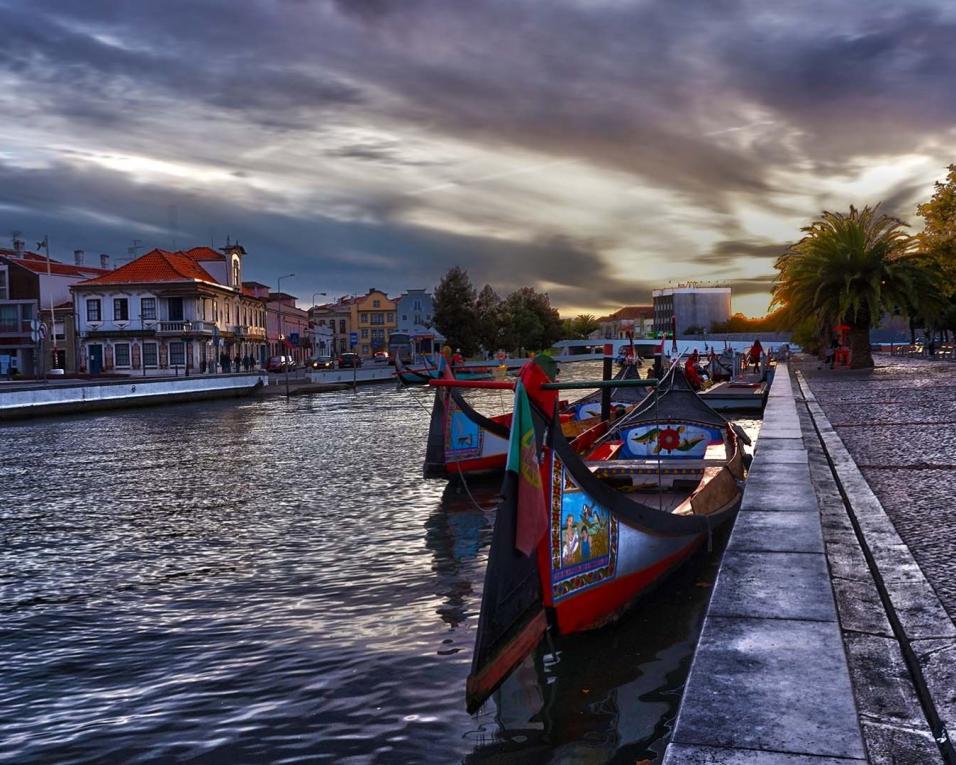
(592, 148)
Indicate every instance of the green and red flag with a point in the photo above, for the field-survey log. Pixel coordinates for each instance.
(532, 520)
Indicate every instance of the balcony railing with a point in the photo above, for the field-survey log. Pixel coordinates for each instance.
(184, 328)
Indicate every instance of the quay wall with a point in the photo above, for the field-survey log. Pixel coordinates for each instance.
(769, 682)
(41, 400)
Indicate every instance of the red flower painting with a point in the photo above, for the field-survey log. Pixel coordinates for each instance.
(669, 439)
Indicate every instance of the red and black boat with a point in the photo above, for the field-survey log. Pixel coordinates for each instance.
(586, 526)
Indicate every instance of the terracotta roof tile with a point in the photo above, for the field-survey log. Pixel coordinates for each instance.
(156, 266)
(204, 253)
(38, 264)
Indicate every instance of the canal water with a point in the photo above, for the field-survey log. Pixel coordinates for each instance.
(272, 581)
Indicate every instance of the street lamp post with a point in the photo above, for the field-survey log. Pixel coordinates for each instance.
(187, 327)
(314, 306)
(282, 336)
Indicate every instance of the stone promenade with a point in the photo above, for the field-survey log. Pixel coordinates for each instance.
(829, 637)
(898, 422)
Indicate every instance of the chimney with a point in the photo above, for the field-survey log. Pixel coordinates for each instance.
(78, 257)
(18, 246)
(104, 260)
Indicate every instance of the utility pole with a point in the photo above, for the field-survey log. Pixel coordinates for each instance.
(45, 244)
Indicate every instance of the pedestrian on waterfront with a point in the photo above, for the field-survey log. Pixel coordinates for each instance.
(457, 359)
(238, 362)
(830, 357)
(755, 351)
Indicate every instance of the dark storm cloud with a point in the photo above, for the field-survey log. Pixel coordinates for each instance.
(724, 252)
(707, 100)
(329, 255)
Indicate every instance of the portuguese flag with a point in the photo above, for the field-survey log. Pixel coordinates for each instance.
(532, 521)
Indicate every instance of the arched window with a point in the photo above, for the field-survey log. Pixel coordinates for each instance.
(235, 273)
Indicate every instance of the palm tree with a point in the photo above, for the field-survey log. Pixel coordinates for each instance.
(849, 269)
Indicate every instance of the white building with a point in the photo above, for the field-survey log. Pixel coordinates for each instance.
(414, 312)
(171, 313)
(695, 308)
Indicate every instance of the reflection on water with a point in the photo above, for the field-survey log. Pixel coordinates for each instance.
(272, 581)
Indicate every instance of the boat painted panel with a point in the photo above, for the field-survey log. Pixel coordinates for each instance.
(596, 565)
(593, 409)
(669, 440)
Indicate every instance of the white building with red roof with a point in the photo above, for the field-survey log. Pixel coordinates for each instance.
(167, 312)
(34, 286)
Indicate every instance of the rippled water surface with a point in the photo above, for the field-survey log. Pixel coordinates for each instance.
(272, 581)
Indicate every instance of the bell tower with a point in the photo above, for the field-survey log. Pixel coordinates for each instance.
(234, 254)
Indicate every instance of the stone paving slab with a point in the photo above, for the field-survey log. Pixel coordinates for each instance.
(771, 684)
(773, 585)
(765, 494)
(681, 754)
(876, 661)
(924, 628)
(778, 531)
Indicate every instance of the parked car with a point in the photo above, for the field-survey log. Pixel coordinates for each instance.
(280, 364)
(380, 357)
(321, 362)
(349, 360)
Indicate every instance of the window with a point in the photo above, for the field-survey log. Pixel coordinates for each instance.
(121, 310)
(235, 273)
(376, 304)
(391, 317)
(363, 317)
(378, 318)
(175, 308)
(378, 336)
(93, 309)
(4, 293)
(147, 307)
(150, 355)
(9, 318)
(121, 351)
(404, 317)
(364, 332)
(342, 326)
(177, 354)
(418, 305)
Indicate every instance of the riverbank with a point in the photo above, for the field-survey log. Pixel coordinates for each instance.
(824, 640)
(25, 401)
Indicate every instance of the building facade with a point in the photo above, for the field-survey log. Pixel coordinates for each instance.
(695, 308)
(35, 287)
(287, 327)
(414, 312)
(373, 318)
(170, 313)
(637, 318)
(337, 319)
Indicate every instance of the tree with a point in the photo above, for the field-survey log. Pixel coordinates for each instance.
(584, 324)
(850, 268)
(455, 314)
(488, 309)
(938, 238)
(528, 322)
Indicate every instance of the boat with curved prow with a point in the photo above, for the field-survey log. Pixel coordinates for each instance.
(586, 526)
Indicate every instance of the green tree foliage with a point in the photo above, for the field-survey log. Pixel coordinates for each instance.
(584, 324)
(488, 309)
(849, 269)
(772, 322)
(937, 240)
(456, 315)
(528, 322)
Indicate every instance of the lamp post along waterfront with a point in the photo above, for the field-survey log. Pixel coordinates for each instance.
(281, 335)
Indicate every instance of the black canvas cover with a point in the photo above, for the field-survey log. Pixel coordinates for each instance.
(435, 446)
(676, 400)
(512, 618)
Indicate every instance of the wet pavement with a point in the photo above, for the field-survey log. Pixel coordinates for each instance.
(897, 422)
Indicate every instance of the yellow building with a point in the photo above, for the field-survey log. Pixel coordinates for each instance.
(373, 318)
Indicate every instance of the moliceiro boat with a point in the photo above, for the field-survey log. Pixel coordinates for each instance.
(463, 442)
(586, 526)
(422, 374)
